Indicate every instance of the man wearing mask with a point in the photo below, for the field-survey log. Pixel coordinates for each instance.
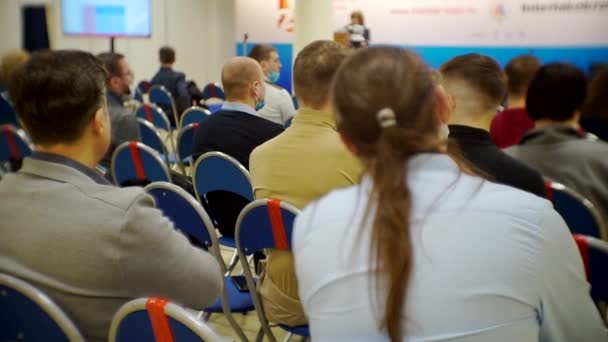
(123, 120)
(278, 103)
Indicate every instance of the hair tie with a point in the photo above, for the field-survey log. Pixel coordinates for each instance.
(386, 117)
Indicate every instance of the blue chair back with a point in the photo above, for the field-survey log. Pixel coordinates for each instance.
(265, 223)
(28, 314)
(14, 144)
(142, 88)
(296, 104)
(151, 138)
(193, 115)
(135, 161)
(185, 143)
(579, 213)
(289, 122)
(213, 91)
(594, 253)
(215, 171)
(7, 112)
(162, 97)
(156, 319)
(155, 115)
(186, 213)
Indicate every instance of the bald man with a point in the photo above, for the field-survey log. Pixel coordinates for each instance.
(235, 130)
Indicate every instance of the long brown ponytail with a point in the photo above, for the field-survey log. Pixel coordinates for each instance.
(397, 83)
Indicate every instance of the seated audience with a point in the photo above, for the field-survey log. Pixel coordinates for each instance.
(119, 78)
(510, 125)
(556, 147)
(87, 244)
(595, 110)
(291, 168)
(278, 105)
(173, 81)
(476, 86)
(235, 130)
(423, 249)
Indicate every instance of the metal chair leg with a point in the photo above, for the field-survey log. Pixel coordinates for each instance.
(233, 261)
(260, 335)
(287, 337)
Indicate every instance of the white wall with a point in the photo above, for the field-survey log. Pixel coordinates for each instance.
(201, 31)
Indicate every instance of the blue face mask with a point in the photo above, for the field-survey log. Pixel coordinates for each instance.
(274, 76)
(259, 105)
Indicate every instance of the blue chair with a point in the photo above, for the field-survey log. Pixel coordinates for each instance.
(155, 115)
(185, 145)
(296, 104)
(27, 314)
(579, 213)
(594, 253)
(160, 96)
(289, 122)
(151, 138)
(213, 91)
(265, 223)
(7, 112)
(193, 115)
(157, 319)
(142, 89)
(14, 146)
(134, 161)
(191, 219)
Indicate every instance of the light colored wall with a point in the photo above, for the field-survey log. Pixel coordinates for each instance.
(201, 31)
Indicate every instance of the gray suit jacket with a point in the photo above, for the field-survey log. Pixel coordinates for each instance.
(91, 247)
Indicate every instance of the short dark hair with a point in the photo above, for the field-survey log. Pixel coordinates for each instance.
(556, 92)
(520, 71)
(482, 73)
(166, 55)
(596, 103)
(314, 70)
(111, 61)
(56, 94)
(261, 52)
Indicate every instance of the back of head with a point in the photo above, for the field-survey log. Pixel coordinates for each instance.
(385, 101)
(357, 16)
(111, 61)
(10, 61)
(557, 92)
(238, 76)
(56, 94)
(166, 55)
(314, 70)
(596, 103)
(520, 71)
(476, 81)
(262, 52)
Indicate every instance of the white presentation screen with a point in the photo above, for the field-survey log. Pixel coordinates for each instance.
(107, 18)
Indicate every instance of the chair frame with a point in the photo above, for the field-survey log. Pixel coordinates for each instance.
(45, 303)
(169, 129)
(214, 154)
(556, 186)
(179, 158)
(162, 88)
(191, 109)
(180, 314)
(18, 132)
(257, 303)
(213, 247)
(153, 128)
(140, 146)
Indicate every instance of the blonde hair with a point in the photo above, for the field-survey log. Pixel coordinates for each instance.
(10, 61)
(358, 15)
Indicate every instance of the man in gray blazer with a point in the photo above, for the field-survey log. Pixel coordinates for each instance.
(89, 245)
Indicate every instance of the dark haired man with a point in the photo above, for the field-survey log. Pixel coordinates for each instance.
(174, 81)
(556, 147)
(89, 245)
(476, 85)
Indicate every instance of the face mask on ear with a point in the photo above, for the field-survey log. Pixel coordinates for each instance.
(259, 105)
(274, 76)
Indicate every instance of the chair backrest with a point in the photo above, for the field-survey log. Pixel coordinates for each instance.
(151, 138)
(296, 104)
(14, 143)
(156, 319)
(288, 122)
(595, 257)
(579, 213)
(192, 115)
(28, 314)
(7, 112)
(163, 98)
(133, 160)
(213, 91)
(143, 87)
(185, 142)
(155, 115)
(215, 171)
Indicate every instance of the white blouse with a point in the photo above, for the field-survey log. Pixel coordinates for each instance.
(278, 105)
(491, 263)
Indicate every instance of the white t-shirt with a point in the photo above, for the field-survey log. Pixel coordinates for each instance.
(278, 105)
(491, 263)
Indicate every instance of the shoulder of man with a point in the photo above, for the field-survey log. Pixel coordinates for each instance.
(275, 86)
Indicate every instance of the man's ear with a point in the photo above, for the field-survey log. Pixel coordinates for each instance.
(445, 104)
(348, 143)
(101, 121)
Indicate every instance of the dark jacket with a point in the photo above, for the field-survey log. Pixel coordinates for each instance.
(176, 84)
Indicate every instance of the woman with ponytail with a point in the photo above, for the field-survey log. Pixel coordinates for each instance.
(423, 249)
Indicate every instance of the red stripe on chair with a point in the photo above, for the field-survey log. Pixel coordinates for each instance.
(583, 248)
(549, 191)
(276, 221)
(195, 125)
(160, 323)
(149, 115)
(139, 166)
(146, 87)
(12, 144)
(213, 90)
